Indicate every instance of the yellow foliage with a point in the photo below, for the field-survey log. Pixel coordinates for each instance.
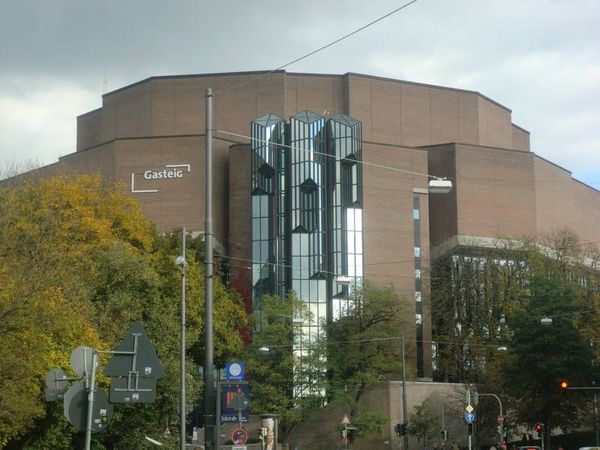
(51, 233)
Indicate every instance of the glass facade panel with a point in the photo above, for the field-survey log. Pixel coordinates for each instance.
(418, 284)
(307, 217)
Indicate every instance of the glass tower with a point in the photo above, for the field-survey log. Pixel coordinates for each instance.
(307, 216)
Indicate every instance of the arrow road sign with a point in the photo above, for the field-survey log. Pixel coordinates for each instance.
(135, 354)
(469, 417)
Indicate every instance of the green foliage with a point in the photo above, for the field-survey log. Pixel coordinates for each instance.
(93, 264)
(369, 423)
(361, 351)
(272, 386)
(422, 422)
(539, 356)
(364, 349)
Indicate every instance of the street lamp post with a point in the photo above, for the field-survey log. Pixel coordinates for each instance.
(180, 261)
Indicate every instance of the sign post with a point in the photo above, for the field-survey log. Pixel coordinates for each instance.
(134, 375)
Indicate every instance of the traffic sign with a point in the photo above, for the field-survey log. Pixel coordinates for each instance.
(500, 420)
(469, 408)
(469, 417)
(76, 404)
(239, 436)
(126, 390)
(57, 384)
(234, 371)
(81, 360)
(345, 420)
(144, 361)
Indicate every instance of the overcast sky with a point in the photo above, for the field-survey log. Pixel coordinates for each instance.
(540, 58)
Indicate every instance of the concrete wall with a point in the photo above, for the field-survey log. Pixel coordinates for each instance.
(320, 432)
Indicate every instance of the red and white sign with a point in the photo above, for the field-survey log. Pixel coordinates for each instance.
(239, 436)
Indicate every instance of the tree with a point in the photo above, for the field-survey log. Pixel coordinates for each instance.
(422, 422)
(276, 370)
(364, 346)
(92, 265)
(539, 356)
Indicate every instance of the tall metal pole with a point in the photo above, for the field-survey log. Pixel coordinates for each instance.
(209, 401)
(404, 404)
(468, 403)
(595, 399)
(90, 409)
(182, 406)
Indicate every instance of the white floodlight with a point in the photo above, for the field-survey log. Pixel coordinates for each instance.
(264, 349)
(153, 441)
(439, 186)
(546, 321)
(502, 348)
(343, 280)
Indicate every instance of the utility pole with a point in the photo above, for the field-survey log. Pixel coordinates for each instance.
(404, 404)
(209, 400)
(91, 379)
(182, 406)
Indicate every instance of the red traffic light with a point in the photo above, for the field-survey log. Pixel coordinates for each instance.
(539, 427)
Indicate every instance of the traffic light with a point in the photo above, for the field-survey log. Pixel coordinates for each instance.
(564, 385)
(262, 434)
(470, 429)
(539, 428)
(444, 435)
(400, 429)
(351, 433)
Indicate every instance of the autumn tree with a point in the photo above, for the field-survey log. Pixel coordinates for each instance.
(78, 264)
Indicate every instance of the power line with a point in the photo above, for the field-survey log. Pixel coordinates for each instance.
(332, 43)
(365, 163)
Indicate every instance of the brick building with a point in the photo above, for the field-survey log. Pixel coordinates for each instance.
(151, 136)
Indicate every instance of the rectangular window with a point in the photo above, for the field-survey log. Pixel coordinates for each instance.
(417, 252)
(416, 214)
